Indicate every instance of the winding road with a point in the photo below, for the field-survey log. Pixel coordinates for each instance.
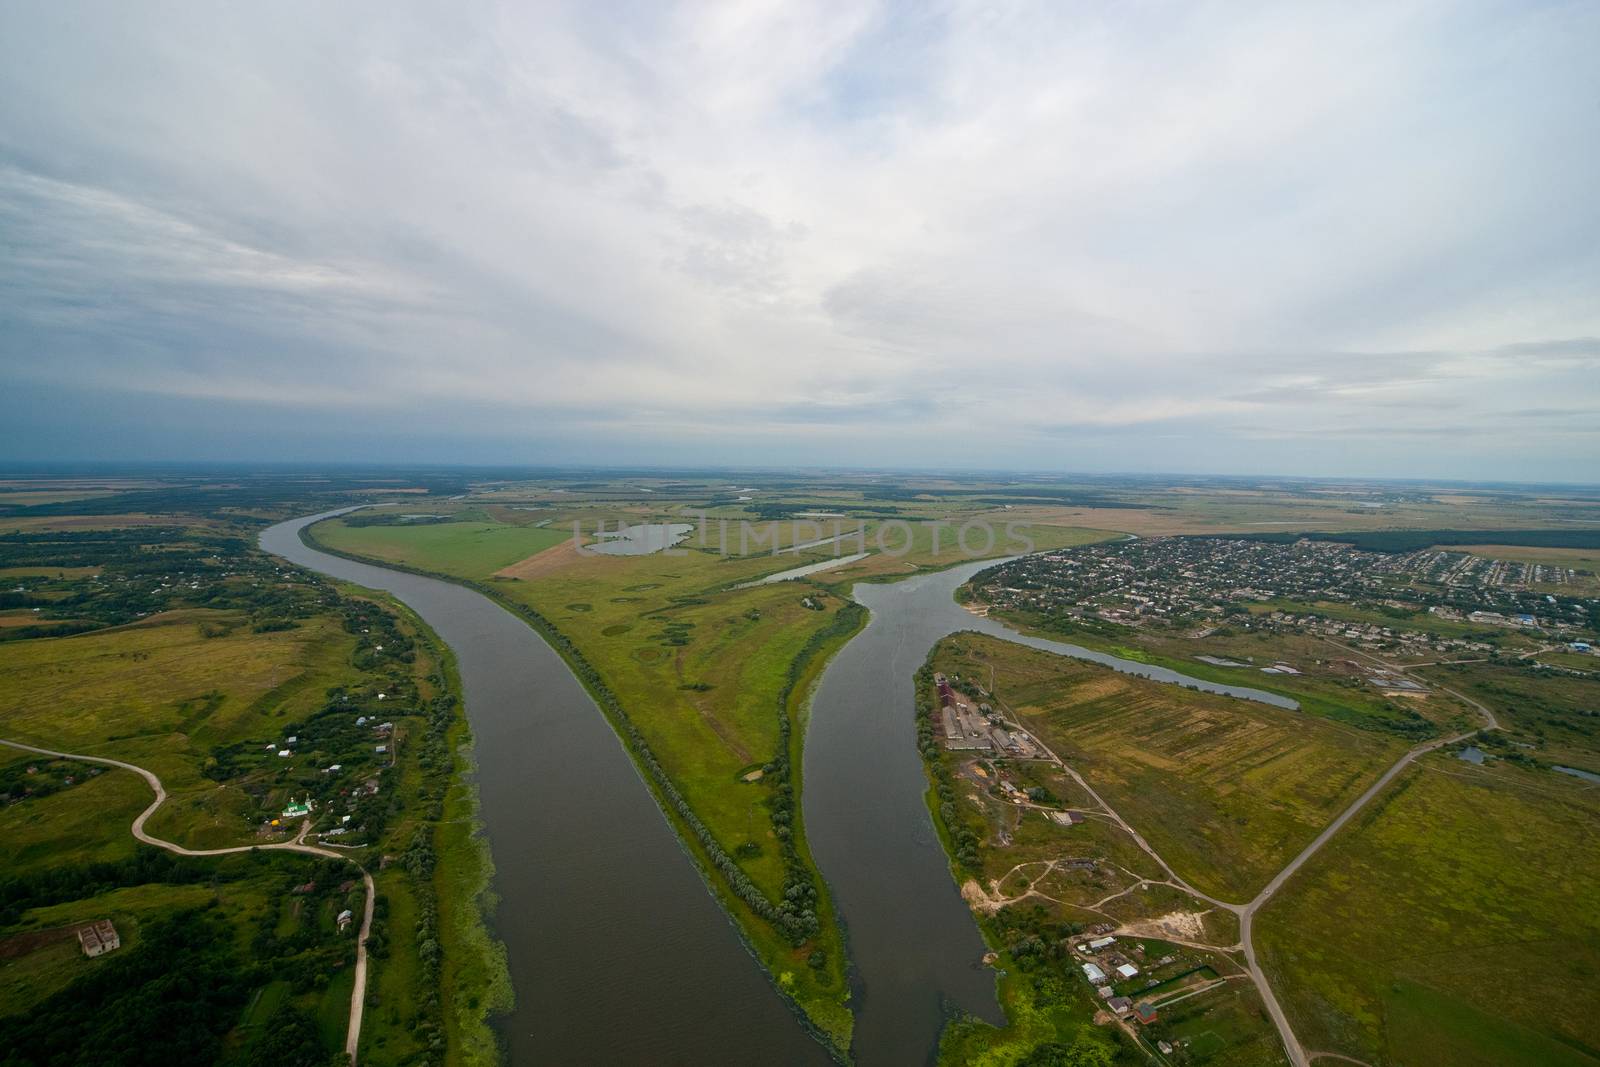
(358, 995)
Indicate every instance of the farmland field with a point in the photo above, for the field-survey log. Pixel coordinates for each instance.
(1440, 925)
(1227, 790)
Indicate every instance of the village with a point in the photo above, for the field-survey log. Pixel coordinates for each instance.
(1428, 604)
(369, 749)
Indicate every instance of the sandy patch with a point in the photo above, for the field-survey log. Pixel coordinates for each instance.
(1184, 925)
(552, 559)
(977, 898)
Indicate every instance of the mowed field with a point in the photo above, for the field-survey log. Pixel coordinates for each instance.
(1451, 922)
(161, 695)
(468, 549)
(1228, 791)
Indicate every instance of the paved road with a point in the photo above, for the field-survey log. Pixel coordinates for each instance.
(1297, 1054)
(358, 995)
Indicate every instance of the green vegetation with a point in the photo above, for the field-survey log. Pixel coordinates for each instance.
(1040, 888)
(704, 683)
(207, 698)
(464, 549)
(1442, 925)
(1226, 790)
(1319, 689)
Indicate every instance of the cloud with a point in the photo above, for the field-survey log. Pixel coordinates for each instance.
(1037, 236)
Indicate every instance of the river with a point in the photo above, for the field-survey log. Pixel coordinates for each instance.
(914, 944)
(618, 953)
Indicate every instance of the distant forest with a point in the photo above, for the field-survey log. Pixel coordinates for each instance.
(1415, 540)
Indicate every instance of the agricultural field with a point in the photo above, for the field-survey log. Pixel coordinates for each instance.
(1226, 790)
(468, 549)
(1442, 925)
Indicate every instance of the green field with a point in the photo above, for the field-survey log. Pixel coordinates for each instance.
(1443, 925)
(86, 822)
(1319, 689)
(467, 549)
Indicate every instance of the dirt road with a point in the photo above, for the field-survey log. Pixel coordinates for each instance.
(1246, 912)
(358, 995)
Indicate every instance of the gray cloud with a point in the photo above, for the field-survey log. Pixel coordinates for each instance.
(860, 233)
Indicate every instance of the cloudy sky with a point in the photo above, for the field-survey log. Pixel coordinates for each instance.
(1276, 238)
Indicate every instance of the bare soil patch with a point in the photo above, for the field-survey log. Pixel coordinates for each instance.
(555, 558)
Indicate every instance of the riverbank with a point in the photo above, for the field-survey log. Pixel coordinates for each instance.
(475, 982)
(824, 1012)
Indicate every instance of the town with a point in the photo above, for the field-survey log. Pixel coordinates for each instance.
(1421, 603)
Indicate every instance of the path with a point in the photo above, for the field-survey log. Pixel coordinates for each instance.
(1246, 912)
(358, 995)
(1297, 1054)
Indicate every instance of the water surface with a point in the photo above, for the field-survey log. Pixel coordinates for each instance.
(915, 946)
(641, 540)
(618, 953)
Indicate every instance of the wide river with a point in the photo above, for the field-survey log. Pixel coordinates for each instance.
(618, 953)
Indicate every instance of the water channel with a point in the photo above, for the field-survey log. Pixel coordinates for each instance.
(618, 953)
(915, 947)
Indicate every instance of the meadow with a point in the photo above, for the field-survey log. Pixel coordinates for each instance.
(468, 549)
(1319, 688)
(1440, 925)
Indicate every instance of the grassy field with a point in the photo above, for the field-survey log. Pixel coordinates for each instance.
(1226, 790)
(468, 549)
(87, 822)
(1443, 924)
(163, 695)
(1547, 716)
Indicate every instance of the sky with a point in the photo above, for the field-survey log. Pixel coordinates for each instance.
(1341, 239)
